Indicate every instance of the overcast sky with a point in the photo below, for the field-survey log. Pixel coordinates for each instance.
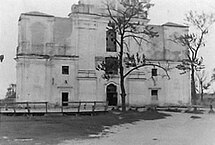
(163, 11)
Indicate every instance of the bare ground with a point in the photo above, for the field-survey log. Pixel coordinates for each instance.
(55, 129)
(177, 129)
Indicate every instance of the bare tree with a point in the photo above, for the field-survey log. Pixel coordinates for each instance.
(127, 21)
(203, 82)
(194, 41)
(213, 75)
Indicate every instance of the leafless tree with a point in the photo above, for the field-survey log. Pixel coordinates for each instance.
(194, 41)
(127, 21)
(203, 82)
(213, 75)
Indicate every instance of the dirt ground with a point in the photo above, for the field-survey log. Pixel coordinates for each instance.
(55, 129)
(114, 128)
(177, 129)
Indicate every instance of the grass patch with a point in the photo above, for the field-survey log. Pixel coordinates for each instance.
(20, 130)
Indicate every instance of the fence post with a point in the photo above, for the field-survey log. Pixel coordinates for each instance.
(79, 107)
(28, 108)
(85, 106)
(211, 109)
(14, 109)
(62, 108)
(94, 106)
(0, 113)
(46, 107)
(106, 106)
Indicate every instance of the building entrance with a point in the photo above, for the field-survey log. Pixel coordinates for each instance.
(65, 98)
(111, 95)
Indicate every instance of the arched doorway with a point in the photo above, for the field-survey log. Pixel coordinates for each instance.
(111, 91)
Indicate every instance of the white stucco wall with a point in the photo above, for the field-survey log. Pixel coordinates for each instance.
(78, 42)
(42, 80)
(34, 80)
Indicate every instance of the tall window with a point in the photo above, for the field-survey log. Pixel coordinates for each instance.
(154, 72)
(110, 41)
(65, 70)
(111, 65)
(111, 95)
(154, 95)
(65, 98)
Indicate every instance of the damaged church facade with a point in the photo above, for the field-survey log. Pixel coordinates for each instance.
(57, 59)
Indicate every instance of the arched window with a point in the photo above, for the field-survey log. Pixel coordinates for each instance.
(110, 40)
(111, 91)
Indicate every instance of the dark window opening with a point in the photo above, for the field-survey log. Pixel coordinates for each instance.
(154, 72)
(154, 92)
(65, 70)
(154, 95)
(111, 95)
(65, 98)
(111, 41)
(111, 65)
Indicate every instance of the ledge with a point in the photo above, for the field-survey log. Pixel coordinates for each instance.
(64, 86)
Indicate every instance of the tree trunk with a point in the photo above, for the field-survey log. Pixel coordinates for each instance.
(123, 95)
(193, 88)
(121, 73)
(202, 91)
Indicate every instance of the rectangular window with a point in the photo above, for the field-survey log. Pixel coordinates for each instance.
(154, 72)
(65, 98)
(111, 65)
(110, 41)
(154, 94)
(65, 70)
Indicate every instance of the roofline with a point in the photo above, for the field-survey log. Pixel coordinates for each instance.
(40, 15)
(176, 25)
(154, 25)
(100, 15)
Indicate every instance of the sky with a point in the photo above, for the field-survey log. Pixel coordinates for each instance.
(162, 12)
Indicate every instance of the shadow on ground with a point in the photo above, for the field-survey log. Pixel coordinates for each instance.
(43, 130)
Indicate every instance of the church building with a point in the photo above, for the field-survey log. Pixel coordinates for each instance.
(57, 59)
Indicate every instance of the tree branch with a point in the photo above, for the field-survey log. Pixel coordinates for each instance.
(143, 65)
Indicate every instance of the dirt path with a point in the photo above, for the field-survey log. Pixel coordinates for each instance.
(179, 129)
